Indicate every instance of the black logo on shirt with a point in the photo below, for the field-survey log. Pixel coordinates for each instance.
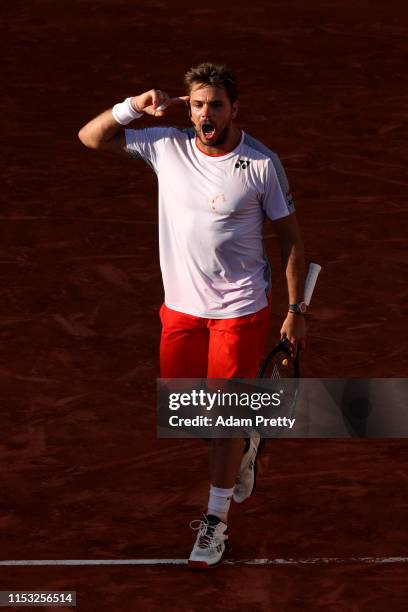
(242, 163)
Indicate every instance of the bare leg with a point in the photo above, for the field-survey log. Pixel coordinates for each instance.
(225, 459)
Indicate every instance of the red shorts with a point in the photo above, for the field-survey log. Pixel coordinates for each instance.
(194, 347)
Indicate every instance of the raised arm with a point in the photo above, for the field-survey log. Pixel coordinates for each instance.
(106, 131)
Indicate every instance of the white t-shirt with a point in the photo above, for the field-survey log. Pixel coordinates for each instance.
(211, 212)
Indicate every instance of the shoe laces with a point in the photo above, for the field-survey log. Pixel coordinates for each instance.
(205, 532)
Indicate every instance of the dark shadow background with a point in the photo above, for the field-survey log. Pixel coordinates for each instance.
(322, 84)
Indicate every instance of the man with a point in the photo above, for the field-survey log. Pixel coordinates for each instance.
(216, 186)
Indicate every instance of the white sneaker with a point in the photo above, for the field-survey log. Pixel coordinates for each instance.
(211, 543)
(246, 480)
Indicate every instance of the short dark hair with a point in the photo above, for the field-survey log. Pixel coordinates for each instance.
(215, 75)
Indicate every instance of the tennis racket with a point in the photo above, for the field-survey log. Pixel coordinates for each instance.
(279, 365)
(312, 274)
(284, 372)
(279, 362)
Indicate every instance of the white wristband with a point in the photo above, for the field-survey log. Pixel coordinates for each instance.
(124, 112)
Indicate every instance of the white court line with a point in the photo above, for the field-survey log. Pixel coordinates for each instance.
(309, 561)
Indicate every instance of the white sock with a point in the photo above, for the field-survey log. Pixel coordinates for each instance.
(219, 502)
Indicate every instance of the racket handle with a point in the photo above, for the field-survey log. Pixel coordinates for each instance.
(310, 283)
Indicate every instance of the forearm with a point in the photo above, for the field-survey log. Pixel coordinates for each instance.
(106, 131)
(108, 126)
(294, 264)
(294, 327)
(99, 130)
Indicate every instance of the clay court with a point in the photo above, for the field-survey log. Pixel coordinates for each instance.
(83, 476)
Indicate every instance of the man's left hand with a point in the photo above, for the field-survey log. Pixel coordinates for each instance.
(294, 330)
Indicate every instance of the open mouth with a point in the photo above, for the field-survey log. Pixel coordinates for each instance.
(208, 130)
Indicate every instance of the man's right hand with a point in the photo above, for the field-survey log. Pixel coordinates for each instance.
(155, 102)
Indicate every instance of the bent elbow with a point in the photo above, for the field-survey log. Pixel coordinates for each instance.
(86, 141)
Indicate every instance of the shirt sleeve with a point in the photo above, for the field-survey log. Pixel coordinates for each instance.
(147, 144)
(277, 199)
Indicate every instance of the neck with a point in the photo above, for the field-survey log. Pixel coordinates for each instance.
(231, 141)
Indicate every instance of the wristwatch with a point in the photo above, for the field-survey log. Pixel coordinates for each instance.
(299, 308)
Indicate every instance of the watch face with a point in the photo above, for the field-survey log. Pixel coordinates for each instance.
(302, 307)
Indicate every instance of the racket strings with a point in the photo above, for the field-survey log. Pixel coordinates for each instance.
(275, 372)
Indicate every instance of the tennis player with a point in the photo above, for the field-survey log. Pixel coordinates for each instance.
(217, 185)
